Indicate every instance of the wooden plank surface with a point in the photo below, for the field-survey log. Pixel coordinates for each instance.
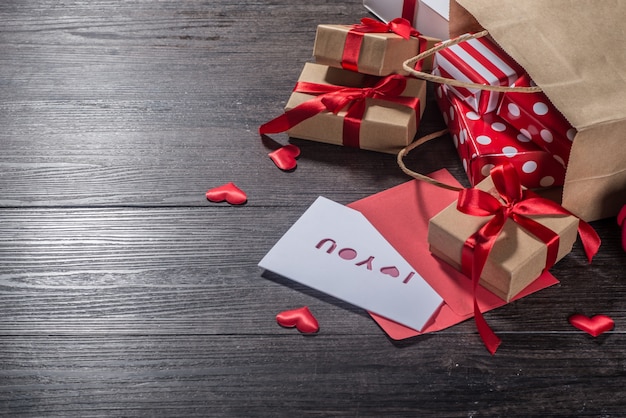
(124, 292)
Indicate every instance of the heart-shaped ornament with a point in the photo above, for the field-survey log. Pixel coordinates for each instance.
(228, 192)
(285, 157)
(594, 326)
(301, 318)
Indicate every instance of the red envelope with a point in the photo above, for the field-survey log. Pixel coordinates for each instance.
(401, 215)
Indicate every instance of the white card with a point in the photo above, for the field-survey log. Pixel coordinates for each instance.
(334, 249)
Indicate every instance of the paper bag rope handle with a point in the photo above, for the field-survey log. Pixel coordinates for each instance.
(409, 66)
(404, 151)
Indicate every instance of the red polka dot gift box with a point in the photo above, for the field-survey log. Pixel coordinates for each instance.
(484, 141)
(534, 116)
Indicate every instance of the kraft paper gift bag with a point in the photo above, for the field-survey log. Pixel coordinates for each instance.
(461, 21)
(576, 55)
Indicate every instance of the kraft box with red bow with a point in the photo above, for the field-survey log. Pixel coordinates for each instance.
(484, 141)
(344, 107)
(505, 235)
(371, 47)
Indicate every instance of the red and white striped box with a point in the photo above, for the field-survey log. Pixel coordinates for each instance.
(484, 141)
(536, 117)
(478, 61)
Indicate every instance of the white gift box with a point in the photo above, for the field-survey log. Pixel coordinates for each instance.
(429, 17)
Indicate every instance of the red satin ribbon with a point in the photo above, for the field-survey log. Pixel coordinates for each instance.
(408, 9)
(354, 39)
(518, 204)
(333, 99)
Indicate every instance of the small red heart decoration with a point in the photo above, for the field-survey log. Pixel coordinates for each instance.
(595, 325)
(285, 157)
(301, 318)
(227, 192)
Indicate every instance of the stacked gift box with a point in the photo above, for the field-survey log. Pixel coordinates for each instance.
(356, 93)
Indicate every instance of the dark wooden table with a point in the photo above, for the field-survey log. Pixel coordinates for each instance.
(124, 292)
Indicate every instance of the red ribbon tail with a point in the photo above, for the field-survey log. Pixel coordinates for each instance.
(490, 339)
(590, 239)
(474, 256)
(292, 117)
(279, 124)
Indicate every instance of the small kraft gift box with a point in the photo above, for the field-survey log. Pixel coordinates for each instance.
(371, 47)
(517, 256)
(347, 108)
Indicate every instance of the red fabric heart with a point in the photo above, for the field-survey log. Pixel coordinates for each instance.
(621, 221)
(285, 157)
(595, 326)
(301, 318)
(227, 192)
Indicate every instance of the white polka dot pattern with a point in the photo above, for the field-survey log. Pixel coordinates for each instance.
(529, 167)
(513, 110)
(483, 140)
(498, 126)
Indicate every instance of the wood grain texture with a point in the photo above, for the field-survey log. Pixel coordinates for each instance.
(123, 292)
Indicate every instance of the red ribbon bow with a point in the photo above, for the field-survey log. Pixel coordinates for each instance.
(399, 26)
(333, 99)
(354, 38)
(518, 204)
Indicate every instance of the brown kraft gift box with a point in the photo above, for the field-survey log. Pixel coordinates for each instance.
(386, 126)
(381, 54)
(517, 257)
